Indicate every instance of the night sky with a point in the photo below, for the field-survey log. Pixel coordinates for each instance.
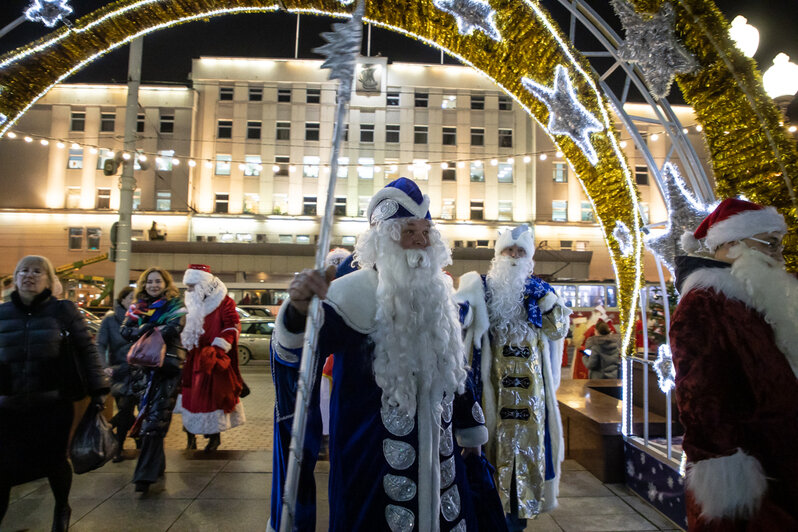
(168, 53)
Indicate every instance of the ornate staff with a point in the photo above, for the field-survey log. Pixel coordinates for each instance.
(341, 50)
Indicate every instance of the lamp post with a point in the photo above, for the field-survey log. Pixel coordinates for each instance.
(781, 81)
(744, 35)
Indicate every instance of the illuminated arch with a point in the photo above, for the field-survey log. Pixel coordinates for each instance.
(531, 46)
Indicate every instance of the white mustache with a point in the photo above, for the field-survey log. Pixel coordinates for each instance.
(417, 258)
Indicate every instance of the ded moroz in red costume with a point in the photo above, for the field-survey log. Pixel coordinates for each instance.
(211, 381)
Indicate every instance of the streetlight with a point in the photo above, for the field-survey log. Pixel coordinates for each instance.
(744, 35)
(781, 81)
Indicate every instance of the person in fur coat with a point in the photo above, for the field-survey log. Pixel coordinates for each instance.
(733, 338)
(211, 383)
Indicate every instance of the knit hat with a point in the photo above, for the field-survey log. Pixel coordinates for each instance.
(400, 198)
(336, 256)
(733, 219)
(520, 236)
(197, 274)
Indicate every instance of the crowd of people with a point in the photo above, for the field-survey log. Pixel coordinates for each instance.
(437, 407)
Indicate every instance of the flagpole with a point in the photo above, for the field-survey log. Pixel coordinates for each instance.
(341, 50)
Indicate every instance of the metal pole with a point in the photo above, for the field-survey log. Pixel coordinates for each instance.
(13, 25)
(296, 40)
(368, 42)
(127, 183)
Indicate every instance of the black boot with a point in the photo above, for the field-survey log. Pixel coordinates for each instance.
(142, 487)
(214, 440)
(61, 517)
(191, 441)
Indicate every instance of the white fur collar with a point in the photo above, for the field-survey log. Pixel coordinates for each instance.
(719, 279)
(353, 297)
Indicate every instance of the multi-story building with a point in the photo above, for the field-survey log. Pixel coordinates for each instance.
(237, 169)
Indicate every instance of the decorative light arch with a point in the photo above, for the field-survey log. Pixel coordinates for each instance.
(524, 60)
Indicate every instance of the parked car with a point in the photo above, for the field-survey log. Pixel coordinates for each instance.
(242, 313)
(92, 322)
(256, 333)
(257, 311)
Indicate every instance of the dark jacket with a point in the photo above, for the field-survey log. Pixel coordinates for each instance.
(113, 347)
(605, 356)
(30, 347)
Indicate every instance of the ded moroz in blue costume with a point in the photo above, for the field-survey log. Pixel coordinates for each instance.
(401, 407)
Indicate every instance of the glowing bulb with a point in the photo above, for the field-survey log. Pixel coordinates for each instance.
(126, 156)
(623, 144)
(494, 162)
(527, 158)
(275, 168)
(444, 166)
(654, 137)
(11, 135)
(510, 160)
(543, 156)
(75, 145)
(61, 145)
(378, 169)
(685, 130)
(192, 163)
(461, 164)
(143, 158)
(291, 168)
(699, 128)
(44, 142)
(176, 161)
(28, 139)
(559, 154)
(792, 129)
(394, 168)
(208, 164)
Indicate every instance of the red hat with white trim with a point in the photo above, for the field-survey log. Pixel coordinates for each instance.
(733, 219)
(197, 274)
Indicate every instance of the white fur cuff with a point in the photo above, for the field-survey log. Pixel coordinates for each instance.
(727, 487)
(222, 344)
(547, 302)
(286, 338)
(471, 437)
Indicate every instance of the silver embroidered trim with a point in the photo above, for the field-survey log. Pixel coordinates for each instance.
(461, 526)
(384, 210)
(397, 423)
(399, 455)
(447, 472)
(399, 488)
(446, 446)
(448, 407)
(450, 504)
(399, 519)
(476, 411)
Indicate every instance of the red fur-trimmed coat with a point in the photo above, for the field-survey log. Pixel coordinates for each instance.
(211, 378)
(738, 401)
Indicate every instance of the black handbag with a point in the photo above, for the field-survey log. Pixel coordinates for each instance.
(74, 385)
(94, 443)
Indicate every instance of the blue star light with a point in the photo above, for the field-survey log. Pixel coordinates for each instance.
(49, 12)
(566, 115)
(471, 15)
(666, 372)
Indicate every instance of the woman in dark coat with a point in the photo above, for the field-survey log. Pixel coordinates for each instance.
(35, 412)
(158, 304)
(127, 382)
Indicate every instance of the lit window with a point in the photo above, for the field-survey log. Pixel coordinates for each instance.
(313, 96)
(137, 199)
(303, 239)
(505, 211)
(348, 240)
(477, 171)
(340, 206)
(477, 136)
(310, 166)
(505, 174)
(252, 165)
(420, 134)
(75, 158)
(447, 213)
(362, 205)
(392, 133)
(477, 101)
(391, 169)
(580, 245)
(107, 121)
(253, 130)
(309, 205)
(505, 138)
(251, 203)
(256, 94)
(365, 168)
(163, 200)
(223, 164)
(283, 131)
(221, 203)
(164, 160)
(167, 124)
(450, 172)
(75, 238)
(286, 239)
(420, 169)
(449, 136)
(103, 156)
(449, 101)
(343, 167)
(559, 211)
(280, 205)
(93, 235)
(587, 212)
(421, 99)
(560, 173)
(312, 130)
(103, 198)
(392, 99)
(78, 122)
(477, 209)
(367, 133)
(226, 93)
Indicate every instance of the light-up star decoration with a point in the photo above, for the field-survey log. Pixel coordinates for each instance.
(471, 15)
(666, 371)
(341, 50)
(685, 213)
(566, 115)
(623, 236)
(653, 46)
(48, 12)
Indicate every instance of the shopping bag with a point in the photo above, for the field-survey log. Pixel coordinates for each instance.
(148, 351)
(94, 443)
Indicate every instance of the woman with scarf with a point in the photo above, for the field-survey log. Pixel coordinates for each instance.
(158, 305)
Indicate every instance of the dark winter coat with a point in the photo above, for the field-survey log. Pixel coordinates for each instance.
(125, 379)
(30, 348)
(605, 356)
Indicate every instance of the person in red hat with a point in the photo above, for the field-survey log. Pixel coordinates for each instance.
(733, 339)
(211, 383)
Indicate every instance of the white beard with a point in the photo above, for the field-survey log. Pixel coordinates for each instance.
(774, 293)
(417, 344)
(508, 317)
(200, 302)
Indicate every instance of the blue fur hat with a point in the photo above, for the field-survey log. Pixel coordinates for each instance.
(399, 199)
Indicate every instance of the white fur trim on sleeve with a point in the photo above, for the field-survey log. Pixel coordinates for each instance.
(222, 343)
(728, 486)
(470, 290)
(471, 437)
(547, 302)
(286, 338)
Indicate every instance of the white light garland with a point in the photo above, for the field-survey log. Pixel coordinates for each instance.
(623, 236)
(666, 371)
